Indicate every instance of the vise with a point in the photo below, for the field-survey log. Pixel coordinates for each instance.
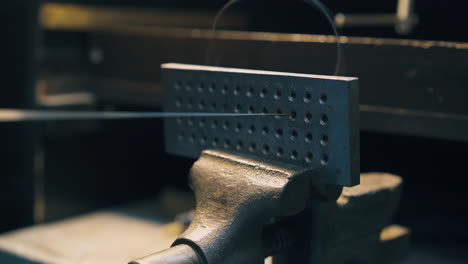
(273, 185)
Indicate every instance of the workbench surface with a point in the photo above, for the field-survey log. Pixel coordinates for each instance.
(121, 234)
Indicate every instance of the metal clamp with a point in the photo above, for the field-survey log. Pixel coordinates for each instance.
(249, 209)
(239, 202)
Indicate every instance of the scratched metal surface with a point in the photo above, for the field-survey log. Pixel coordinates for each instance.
(322, 130)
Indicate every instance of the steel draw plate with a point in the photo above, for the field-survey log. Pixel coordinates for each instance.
(320, 131)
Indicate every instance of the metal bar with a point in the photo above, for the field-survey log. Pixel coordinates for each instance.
(56, 16)
(15, 115)
(321, 132)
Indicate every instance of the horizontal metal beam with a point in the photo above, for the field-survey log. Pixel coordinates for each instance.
(56, 16)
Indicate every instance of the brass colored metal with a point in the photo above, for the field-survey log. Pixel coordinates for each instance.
(55, 16)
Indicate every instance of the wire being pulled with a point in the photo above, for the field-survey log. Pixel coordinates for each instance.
(328, 15)
(315, 3)
(214, 27)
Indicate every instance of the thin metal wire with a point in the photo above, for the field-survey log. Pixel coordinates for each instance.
(17, 115)
(315, 3)
(214, 27)
(328, 15)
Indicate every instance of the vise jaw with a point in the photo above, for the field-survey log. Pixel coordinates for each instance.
(239, 201)
(236, 197)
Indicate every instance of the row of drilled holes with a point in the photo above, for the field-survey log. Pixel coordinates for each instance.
(252, 129)
(292, 116)
(293, 137)
(265, 149)
(263, 93)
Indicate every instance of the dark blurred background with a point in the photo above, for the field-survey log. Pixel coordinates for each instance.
(54, 57)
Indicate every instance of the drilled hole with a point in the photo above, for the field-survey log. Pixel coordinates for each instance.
(278, 112)
(324, 140)
(264, 110)
(293, 135)
(323, 98)
(201, 105)
(190, 103)
(226, 125)
(251, 109)
(180, 137)
(279, 133)
(239, 145)
(294, 155)
(200, 88)
(250, 92)
(265, 149)
(212, 88)
(237, 90)
(263, 93)
(188, 87)
(277, 94)
(224, 89)
(190, 122)
(252, 147)
(215, 142)
(203, 140)
(280, 152)
(202, 122)
(214, 124)
(309, 157)
(179, 121)
(265, 130)
(324, 159)
(293, 116)
(309, 138)
(227, 143)
(307, 97)
(177, 85)
(178, 103)
(251, 129)
(238, 127)
(192, 138)
(292, 96)
(323, 119)
(237, 108)
(308, 117)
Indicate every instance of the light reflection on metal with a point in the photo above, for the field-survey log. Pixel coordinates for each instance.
(20, 115)
(55, 16)
(404, 19)
(181, 33)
